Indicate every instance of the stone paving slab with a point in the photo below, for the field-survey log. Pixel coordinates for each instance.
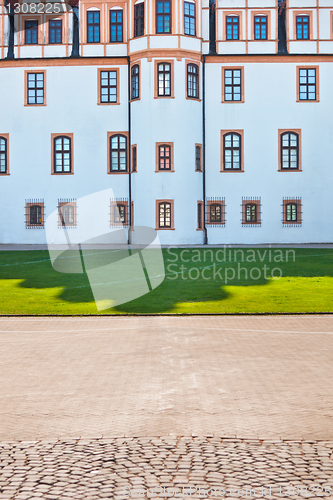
(166, 467)
(248, 377)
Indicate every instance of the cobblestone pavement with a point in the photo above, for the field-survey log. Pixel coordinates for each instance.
(166, 467)
(81, 398)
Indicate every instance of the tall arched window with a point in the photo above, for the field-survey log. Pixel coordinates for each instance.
(232, 145)
(118, 153)
(62, 154)
(289, 151)
(135, 74)
(193, 81)
(3, 155)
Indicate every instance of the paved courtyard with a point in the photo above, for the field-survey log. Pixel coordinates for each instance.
(104, 407)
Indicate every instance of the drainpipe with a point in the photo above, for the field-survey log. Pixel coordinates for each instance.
(10, 51)
(129, 153)
(76, 34)
(205, 239)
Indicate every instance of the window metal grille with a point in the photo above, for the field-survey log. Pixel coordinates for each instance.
(292, 212)
(119, 212)
(251, 212)
(215, 212)
(67, 212)
(34, 214)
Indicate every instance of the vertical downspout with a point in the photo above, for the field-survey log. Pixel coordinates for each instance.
(76, 32)
(204, 149)
(129, 154)
(10, 51)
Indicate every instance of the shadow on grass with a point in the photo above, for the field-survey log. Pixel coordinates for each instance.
(35, 270)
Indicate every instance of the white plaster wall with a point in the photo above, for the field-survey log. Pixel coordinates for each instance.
(324, 24)
(93, 50)
(270, 106)
(30, 131)
(326, 47)
(163, 42)
(177, 120)
(138, 44)
(190, 43)
(234, 47)
(259, 47)
(302, 47)
(31, 51)
(55, 50)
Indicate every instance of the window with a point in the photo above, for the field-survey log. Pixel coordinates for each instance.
(62, 154)
(199, 215)
(35, 94)
(116, 26)
(119, 212)
(189, 19)
(198, 160)
(164, 214)
(232, 85)
(93, 31)
(232, 27)
(302, 27)
(139, 19)
(31, 32)
(289, 150)
(251, 215)
(55, 31)
(3, 155)
(134, 158)
(108, 80)
(292, 212)
(135, 89)
(193, 81)
(164, 157)
(163, 16)
(34, 214)
(164, 79)
(260, 27)
(215, 211)
(307, 84)
(232, 159)
(67, 213)
(118, 153)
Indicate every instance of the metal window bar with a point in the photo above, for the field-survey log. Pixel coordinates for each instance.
(38, 221)
(67, 218)
(215, 217)
(119, 212)
(254, 200)
(298, 202)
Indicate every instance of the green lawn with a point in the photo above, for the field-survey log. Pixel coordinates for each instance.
(29, 284)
